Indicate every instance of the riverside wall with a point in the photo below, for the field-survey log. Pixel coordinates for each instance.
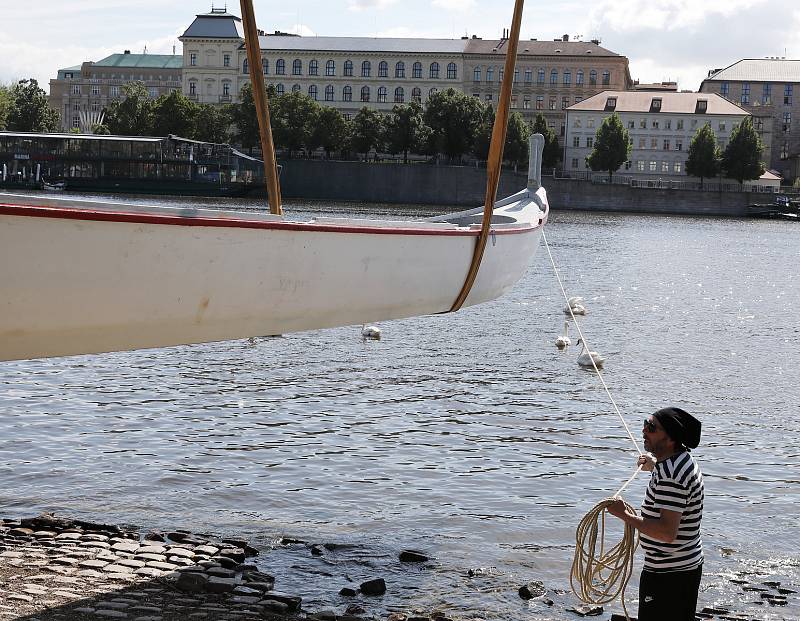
(425, 184)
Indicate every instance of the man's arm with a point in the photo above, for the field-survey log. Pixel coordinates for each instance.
(664, 528)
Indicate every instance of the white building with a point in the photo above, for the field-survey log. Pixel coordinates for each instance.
(661, 126)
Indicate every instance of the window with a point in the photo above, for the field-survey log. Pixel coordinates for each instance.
(554, 77)
(476, 74)
(564, 103)
(593, 78)
(785, 151)
(787, 95)
(679, 145)
(193, 88)
(724, 88)
(576, 123)
(540, 77)
(642, 123)
(330, 68)
(528, 77)
(787, 121)
(95, 106)
(280, 67)
(297, 67)
(574, 162)
(296, 88)
(640, 166)
(722, 126)
(416, 94)
(655, 124)
(95, 89)
(193, 59)
(312, 91)
(76, 89)
(245, 66)
(513, 102)
(432, 92)
(606, 77)
(490, 74)
(666, 145)
(280, 89)
(578, 99)
(679, 124)
(668, 124)
(567, 78)
(416, 70)
(226, 60)
(226, 89)
(434, 70)
(631, 124)
(265, 66)
(400, 70)
(758, 124)
(540, 102)
(654, 143)
(500, 73)
(653, 166)
(655, 105)
(382, 92)
(348, 68)
(115, 91)
(516, 76)
(676, 168)
(383, 69)
(526, 103)
(665, 167)
(365, 93)
(766, 94)
(399, 95)
(452, 71)
(76, 121)
(366, 69)
(313, 68)
(552, 103)
(745, 99)
(347, 93)
(642, 143)
(329, 93)
(589, 142)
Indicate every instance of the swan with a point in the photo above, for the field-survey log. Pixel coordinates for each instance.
(576, 299)
(371, 332)
(564, 340)
(586, 357)
(575, 309)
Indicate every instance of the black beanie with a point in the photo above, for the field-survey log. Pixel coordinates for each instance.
(681, 426)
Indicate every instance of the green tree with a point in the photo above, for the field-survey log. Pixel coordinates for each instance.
(454, 119)
(552, 152)
(330, 131)
(483, 134)
(366, 131)
(133, 115)
(405, 130)
(29, 110)
(100, 129)
(742, 157)
(245, 120)
(5, 105)
(516, 149)
(174, 113)
(293, 117)
(212, 123)
(704, 157)
(612, 146)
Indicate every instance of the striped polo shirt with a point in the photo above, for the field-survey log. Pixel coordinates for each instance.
(676, 484)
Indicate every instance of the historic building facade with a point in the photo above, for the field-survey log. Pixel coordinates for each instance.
(661, 126)
(769, 89)
(350, 72)
(81, 93)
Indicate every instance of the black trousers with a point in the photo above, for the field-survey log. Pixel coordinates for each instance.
(669, 596)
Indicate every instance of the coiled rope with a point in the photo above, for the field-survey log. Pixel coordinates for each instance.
(599, 577)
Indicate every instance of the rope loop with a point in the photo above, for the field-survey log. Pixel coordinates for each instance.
(601, 576)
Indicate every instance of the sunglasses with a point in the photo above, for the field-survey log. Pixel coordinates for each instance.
(649, 426)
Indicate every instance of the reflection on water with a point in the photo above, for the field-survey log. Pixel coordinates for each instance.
(468, 436)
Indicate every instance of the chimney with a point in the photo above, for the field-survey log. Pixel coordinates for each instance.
(565, 38)
(127, 51)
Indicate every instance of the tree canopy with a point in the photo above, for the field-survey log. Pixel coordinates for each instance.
(405, 130)
(5, 105)
(28, 110)
(516, 148)
(365, 131)
(212, 123)
(612, 146)
(293, 117)
(134, 114)
(704, 157)
(742, 157)
(551, 155)
(454, 119)
(174, 114)
(330, 131)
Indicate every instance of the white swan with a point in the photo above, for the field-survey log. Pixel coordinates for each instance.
(576, 309)
(576, 299)
(586, 357)
(564, 340)
(371, 332)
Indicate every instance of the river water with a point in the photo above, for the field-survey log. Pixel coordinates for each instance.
(468, 436)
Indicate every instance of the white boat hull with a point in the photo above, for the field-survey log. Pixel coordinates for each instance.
(82, 277)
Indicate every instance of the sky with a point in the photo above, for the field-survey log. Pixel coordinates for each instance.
(669, 40)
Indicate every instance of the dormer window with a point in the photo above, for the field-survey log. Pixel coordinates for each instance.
(702, 106)
(655, 104)
(611, 103)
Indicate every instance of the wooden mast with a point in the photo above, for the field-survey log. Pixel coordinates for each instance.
(495, 161)
(262, 109)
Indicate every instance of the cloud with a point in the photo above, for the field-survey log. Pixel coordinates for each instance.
(363, 5)
(455, 5)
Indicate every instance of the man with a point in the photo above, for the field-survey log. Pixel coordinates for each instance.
(669, 526)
